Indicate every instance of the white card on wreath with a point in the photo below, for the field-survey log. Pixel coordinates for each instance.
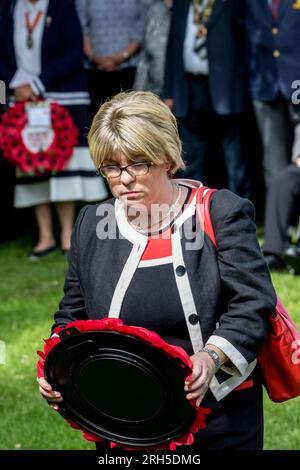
(38, 114)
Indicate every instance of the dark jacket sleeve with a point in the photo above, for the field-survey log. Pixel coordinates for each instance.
(168, 88)
(72, 306)
(246, 282)
(71, 39)
(7, 70)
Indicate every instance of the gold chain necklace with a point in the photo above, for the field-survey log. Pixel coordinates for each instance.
(201, 17)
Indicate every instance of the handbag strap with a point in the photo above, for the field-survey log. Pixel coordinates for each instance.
(203, 197)
(203, 210)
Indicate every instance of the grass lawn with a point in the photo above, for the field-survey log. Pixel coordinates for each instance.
(29, 293)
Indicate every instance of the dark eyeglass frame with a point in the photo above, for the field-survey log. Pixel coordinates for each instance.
(124, 168)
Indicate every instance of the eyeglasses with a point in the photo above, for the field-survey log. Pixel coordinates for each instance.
(134, 169)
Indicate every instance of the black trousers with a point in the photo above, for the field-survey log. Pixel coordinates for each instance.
(283, 201)
(275, 120)
(201, 127)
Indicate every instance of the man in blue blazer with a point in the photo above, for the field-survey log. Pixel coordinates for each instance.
(207, 89)
(273, 28)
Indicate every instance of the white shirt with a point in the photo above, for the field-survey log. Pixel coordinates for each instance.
(193, 63)
(28, 60)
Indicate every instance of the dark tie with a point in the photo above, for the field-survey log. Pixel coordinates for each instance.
(275, 9)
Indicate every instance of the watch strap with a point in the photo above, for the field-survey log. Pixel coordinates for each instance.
(214, 355)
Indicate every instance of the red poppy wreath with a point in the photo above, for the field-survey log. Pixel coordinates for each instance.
(130, 379)
(37, 151)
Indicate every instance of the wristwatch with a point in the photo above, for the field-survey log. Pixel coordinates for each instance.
(214, 355)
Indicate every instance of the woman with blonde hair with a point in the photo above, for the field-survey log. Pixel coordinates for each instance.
(140, 257)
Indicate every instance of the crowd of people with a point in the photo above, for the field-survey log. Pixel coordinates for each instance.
(212, 62)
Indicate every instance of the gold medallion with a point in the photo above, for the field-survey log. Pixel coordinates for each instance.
(29, 41)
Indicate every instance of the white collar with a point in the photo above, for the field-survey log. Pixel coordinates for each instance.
(127, 230)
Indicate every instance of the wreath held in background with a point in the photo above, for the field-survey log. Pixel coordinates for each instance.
(37, 150)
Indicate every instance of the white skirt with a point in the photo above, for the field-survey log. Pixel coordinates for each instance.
(77, 181)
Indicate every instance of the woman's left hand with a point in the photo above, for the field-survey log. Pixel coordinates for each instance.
(23, 92)
(203, 371)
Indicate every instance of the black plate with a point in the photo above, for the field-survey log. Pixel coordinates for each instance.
(119, 387)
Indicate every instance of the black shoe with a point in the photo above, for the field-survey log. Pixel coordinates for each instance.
(291, 258)
(36, 255)
(65, 251)
(274, 262)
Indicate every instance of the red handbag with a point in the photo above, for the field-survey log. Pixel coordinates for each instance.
(279, 357)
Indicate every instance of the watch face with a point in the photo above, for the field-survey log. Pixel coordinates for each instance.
(214, 355)
(121, 388)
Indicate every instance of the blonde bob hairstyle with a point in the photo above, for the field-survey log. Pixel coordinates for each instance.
(139, 126)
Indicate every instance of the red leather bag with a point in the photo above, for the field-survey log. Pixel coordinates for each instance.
(279, 357)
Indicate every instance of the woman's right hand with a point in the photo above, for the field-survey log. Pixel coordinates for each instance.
(50, 395)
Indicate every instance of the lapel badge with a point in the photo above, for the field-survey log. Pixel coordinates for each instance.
(48, 21)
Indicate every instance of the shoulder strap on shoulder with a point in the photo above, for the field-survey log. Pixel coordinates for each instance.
(203, 210)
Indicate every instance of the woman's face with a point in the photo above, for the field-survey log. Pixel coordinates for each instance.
(145, 190)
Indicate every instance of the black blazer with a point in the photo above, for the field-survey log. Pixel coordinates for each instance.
(231, 286)
(226, 57)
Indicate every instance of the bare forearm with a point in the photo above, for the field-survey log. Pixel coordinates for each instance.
(133, 47)
(87, 47)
